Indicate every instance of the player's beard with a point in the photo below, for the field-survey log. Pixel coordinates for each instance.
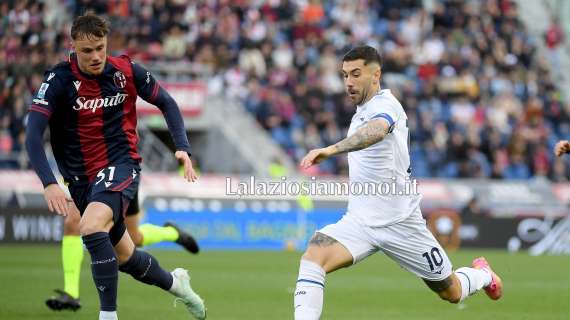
(362, 97)
(358, 97)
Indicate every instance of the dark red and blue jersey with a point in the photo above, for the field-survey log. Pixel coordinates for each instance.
(93, 119)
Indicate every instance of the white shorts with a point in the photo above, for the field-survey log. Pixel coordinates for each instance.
(409, 243)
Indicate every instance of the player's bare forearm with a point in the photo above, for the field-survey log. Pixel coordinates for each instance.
(374, 131)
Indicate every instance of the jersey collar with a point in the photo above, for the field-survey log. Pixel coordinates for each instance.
(380, 92)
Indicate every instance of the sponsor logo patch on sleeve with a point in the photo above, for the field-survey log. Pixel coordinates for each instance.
(42, 90)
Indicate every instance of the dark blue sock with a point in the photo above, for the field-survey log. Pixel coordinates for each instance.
(104, 267)
(145, 268)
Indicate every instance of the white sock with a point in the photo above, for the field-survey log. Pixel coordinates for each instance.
(175, 284)
(309, 291)
(178, 279)
(108, 315)
(472, 280)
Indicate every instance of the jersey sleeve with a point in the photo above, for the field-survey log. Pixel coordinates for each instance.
(385, 109)
(43, 105)
(146, 85)
(45, 99)
(35, 128)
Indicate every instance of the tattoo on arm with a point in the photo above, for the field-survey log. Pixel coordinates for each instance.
(322, 240)
(371, 133)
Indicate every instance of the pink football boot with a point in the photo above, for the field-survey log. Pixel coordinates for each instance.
(495, 289)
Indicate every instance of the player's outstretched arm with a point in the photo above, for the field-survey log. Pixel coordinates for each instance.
(562, 147)
(374, 131)
(149, 89)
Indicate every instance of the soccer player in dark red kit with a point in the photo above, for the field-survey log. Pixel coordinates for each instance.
(89, 104)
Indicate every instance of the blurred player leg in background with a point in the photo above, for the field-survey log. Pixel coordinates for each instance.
(71, 256)
(148, 234)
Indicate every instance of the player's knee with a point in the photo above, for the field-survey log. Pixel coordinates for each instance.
(71, 225)
(315, 257)
(87, 227)
(98, 217)
(328, 258)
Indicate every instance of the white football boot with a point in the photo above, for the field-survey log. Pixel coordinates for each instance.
(183, 291)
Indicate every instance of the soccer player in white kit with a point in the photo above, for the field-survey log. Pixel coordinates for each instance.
(378, 151)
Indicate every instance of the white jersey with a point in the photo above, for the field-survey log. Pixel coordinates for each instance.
(385, 165)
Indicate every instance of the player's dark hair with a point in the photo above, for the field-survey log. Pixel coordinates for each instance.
(366, 53)
(89, 25)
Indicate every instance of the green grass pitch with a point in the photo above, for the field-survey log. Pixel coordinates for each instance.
(259, 285)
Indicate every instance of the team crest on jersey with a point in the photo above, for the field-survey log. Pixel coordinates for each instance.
(120, 79)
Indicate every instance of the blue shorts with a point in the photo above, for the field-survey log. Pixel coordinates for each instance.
(115, 186)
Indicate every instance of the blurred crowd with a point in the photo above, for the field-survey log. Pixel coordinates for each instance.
(480, 99)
